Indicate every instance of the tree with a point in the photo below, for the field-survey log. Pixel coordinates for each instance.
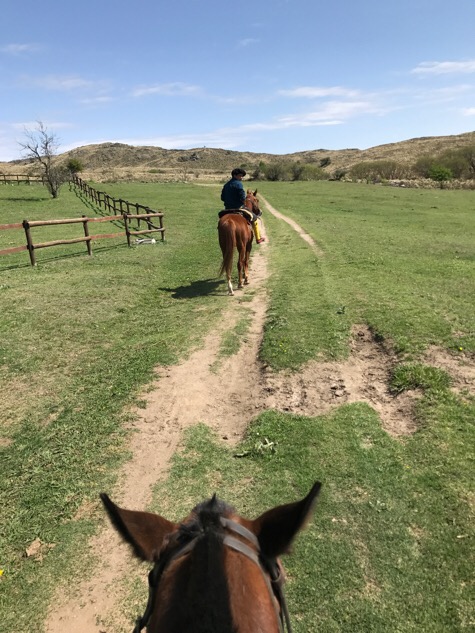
(41, 146)
(440, 174)
(74, 166)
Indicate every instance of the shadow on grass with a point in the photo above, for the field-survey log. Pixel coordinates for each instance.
(63, 256)
(196, 289)
(23, 199)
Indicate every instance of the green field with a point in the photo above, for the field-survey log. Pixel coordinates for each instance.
(391, 547)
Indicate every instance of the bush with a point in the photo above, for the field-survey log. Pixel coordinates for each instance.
(440, 174)
(74, 166)
(377, 170)
(277, 171)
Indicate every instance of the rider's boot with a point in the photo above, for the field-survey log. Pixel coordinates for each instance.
(257, 234)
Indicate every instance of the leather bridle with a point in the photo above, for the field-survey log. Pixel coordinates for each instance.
(269, 567)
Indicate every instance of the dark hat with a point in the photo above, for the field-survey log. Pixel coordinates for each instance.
(238, 172)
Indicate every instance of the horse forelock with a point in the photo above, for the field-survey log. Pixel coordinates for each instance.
(200, 579)
(206, 516)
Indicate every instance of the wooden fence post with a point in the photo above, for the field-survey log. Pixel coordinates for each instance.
(29, 242)
(86, 234)
(127, 230)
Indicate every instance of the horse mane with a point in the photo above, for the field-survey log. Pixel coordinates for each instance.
(202, 582)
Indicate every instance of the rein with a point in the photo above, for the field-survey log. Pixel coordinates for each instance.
(269, 568)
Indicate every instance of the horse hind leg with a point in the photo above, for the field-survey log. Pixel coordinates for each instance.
(230, 285)
(242, 271)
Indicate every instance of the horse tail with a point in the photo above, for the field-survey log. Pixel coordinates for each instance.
(227, 241)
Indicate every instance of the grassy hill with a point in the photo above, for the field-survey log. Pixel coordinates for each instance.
(116, 161)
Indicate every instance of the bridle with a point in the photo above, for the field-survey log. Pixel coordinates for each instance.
(269, 567)
(252, 206)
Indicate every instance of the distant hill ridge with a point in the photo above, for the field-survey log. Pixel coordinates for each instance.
(106, 159)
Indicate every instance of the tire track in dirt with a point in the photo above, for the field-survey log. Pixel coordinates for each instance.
(226, 394)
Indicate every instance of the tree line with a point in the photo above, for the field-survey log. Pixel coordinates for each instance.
(451, 164)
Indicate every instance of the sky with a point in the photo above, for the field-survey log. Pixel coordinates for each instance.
(274, 76)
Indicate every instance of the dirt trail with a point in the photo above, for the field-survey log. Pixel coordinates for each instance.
(195, 391)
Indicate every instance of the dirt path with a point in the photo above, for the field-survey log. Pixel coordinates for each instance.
(195, 391)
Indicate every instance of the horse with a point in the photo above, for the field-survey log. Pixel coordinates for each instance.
(215, 571)
(235, 231)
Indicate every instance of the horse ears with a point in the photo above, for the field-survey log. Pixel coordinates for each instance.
(277, 528)
(144, 531)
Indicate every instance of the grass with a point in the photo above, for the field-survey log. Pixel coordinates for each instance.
(400, 260)
(80, 337)
(389, 547)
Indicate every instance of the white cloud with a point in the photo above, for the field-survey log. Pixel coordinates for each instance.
(62, 83)
(19, 49)
(32, 125)
(444, 68)
(468, 112)
(331, 113)
(169, 90)
(316, 92)
(97, 100)
(248, 41)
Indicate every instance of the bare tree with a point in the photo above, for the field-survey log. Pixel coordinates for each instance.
(41, 146)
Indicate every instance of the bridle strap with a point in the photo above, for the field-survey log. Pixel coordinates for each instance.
(238, 528)
(154, 578)
(275, 584)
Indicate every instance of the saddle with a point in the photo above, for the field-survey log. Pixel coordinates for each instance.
(247, 215)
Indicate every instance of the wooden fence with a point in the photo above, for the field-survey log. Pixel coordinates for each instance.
(122, 209)
(116, 206)
(8, 179)
(30, 246)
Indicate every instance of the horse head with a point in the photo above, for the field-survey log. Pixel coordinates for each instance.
(252, 202)
(215, 571)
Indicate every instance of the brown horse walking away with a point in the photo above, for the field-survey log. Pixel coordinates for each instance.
(214, 572)
(235, 232)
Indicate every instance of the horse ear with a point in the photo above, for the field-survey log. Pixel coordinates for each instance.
(277, 528)
(144, 531)
(255, 193)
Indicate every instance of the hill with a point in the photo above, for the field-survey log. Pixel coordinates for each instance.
(116, 161)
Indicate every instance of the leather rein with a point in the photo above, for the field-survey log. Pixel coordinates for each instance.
(269, 567)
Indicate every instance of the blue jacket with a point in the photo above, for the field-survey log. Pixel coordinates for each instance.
(233, 194)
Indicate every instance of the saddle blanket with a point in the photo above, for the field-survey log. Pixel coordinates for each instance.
(247, 215)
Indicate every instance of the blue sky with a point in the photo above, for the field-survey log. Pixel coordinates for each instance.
(264, 76)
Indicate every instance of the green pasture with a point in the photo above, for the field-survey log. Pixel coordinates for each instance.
(391, 545)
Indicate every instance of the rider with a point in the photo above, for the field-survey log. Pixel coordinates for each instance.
(234, 196)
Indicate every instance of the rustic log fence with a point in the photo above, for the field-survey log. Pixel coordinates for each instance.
(31, 246)
(122, 210)
(117, 206)
(10, 179)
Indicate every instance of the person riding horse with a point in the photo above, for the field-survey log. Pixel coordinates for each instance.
(233, 195)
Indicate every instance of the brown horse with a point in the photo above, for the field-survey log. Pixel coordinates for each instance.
(214, 572)
(235, 232)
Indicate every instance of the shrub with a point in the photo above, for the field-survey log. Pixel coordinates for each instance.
(74, 166)
(440, 174)
(277, 171)
(377, 170)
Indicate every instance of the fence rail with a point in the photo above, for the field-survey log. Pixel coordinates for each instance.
(30, 246)
(120, 208)
(7, 179)
(117, 206)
